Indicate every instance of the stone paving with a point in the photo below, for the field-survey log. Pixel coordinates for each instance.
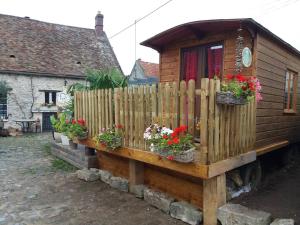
(36, 188)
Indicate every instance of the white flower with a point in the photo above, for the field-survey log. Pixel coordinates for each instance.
(166, 131)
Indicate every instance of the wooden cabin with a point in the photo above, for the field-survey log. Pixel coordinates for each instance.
(213, 42)
(229, 136)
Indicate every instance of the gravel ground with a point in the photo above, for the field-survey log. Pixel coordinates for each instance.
(36, 188)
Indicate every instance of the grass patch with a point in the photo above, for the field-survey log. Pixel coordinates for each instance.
(61, 165)
(47, 148)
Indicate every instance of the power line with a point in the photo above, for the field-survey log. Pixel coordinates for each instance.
(138, 20)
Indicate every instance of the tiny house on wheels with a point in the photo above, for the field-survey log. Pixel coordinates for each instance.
(204, 49)
(226, 137)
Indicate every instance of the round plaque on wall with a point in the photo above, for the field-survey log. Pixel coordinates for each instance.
(246, 57)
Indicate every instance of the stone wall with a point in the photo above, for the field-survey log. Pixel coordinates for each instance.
(26, 97)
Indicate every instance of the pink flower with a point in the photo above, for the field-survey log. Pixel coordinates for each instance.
(258, 97)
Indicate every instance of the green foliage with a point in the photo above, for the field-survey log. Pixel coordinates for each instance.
(5, 89)
(58, 164)
(61, 124)
(103, 79)
(76, 87)
(111, 138)
(77, 129)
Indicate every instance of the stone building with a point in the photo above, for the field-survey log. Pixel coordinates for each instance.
(144, 73)
(39, 60)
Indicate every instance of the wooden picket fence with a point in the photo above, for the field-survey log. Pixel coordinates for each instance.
(225, 131)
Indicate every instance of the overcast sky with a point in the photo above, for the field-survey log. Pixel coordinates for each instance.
(282, 17)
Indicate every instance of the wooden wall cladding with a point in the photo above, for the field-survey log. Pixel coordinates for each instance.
(118, 166)
(272, 123)
(170, 56)
(179, 186)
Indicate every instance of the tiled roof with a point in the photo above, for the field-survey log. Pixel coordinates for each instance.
(150, 69)
(33, 46)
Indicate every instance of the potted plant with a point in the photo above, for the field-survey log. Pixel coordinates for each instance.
(77, 131)
(63, 126)
(111, 138)
(173, 145)
(56, 127)
(239, 90)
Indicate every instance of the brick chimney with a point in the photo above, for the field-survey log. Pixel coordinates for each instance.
(99, 24)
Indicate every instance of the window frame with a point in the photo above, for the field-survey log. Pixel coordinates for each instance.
(291, 106)
(204, 45)
(4, 116)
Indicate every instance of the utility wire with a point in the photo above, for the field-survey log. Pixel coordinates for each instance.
(138, 20)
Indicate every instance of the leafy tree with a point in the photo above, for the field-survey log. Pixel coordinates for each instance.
(5, 89)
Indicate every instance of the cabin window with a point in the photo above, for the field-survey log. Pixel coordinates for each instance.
(3, 107)
(290, 95)
(50, 97)
(201, 61)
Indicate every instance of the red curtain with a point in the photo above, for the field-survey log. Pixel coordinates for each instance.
(190, 64)
(214, 62)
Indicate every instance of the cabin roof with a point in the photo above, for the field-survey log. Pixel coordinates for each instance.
(200, 28)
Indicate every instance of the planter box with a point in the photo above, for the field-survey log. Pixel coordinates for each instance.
(228, 98)
(73, 145)
(57, 137)
(83, 137)
(184, 157)
(65, 140)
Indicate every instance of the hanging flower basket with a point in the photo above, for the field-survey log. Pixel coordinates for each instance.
(228, 98)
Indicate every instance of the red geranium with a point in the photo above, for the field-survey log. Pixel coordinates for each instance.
(174, 134)
(67, 121)
(176, 140)
(170, 157)
(229, 76)
(165, 136)
(170, 142)
(241, 78)
(73, 121)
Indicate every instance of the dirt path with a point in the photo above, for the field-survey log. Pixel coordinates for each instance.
(279, 193)
(37, 189)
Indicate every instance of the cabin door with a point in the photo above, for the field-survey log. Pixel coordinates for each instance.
(200, 62)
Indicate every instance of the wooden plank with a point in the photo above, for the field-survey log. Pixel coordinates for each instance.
(227, 130)
(89, 111)
(136, 117)
(167, 93)
(268, 148)
(226, 165)
(136, 173)
(100, 110)
(148, 108)
(154, 98)
(192, 169)
(211, 116)
(213, 198)
(222, 133)
(131, 116)
(217, 125)
(175, 91)
(191, 107)
(117, 105)
(126, 118)
(182, 103)
(75, 106)
(160, 103)
(203, 120)
(92, 112)
(141, 118)
(111, 112)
